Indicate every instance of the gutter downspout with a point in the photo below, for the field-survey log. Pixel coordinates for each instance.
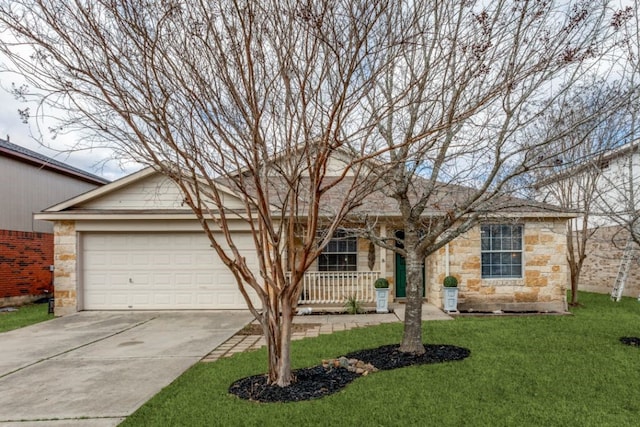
(446, 259)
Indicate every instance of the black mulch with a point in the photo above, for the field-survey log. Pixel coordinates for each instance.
(311, 383)
(388, 356)
(634, 341)
(316, 382)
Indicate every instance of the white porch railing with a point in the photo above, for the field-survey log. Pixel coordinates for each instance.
(334, 287)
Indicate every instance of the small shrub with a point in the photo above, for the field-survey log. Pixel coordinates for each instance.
(353, 305)
(381, 283)
(450, 282)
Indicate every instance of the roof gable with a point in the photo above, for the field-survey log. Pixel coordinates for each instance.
(145, 190)
(153, 191)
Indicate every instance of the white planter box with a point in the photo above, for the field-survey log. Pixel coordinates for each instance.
(382, 300)
(450, 299)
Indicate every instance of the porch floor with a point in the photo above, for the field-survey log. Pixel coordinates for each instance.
(327, 314)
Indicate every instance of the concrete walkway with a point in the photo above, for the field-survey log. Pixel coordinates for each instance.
(96, 368)
(317, 324)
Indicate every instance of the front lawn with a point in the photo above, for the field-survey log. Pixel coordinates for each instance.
(25, 315)
(533, 371)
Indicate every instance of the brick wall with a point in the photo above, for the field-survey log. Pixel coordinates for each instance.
(24, 265)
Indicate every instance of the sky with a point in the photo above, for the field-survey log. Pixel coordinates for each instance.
(29, 136)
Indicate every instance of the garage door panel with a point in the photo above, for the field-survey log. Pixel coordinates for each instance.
(227, 299)
(205, 281)
(157, 271)
(140, 299)
(161, 259)
(115, 279)
(162, 280)
(98, 298)
(141, 260)
(116, 260)
(163, 299)
(205, 258)
(97, 259)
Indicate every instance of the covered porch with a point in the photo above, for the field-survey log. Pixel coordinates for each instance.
(335, 287)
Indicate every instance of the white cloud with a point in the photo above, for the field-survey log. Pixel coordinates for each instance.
(98, 161)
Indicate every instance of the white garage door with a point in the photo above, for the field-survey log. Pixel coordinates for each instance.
(158, 271)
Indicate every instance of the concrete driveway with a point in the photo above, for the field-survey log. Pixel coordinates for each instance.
(96, 368)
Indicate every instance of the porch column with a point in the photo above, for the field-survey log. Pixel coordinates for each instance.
(65, 267)
(382, 256)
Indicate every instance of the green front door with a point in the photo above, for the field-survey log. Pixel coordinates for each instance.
(401, 277)
(401, 272)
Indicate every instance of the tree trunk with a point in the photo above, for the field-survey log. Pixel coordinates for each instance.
(575, 276)
(412, 336)
(285, 376)
(574, 269)
(576, 254)
(276, 328)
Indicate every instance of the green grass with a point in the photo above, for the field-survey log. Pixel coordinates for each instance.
(523, 371)
(25, 316)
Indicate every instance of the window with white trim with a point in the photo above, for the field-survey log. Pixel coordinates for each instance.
(501, 251)
(340, 254)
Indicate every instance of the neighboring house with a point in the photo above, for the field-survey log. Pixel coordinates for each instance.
(30, 183)
(615, 207)
(132, 244)
(617, 211)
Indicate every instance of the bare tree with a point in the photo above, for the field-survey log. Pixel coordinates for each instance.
(465, 89)
(241, 97)
(589, 130)
(619, 196)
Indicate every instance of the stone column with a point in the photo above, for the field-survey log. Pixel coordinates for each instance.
(64, 261)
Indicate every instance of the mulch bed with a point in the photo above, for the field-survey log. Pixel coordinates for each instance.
(633, 341)
(388, 357)
(317, 381)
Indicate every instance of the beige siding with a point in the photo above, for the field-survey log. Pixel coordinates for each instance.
(336, 167)
(153, 192)
(27, 189)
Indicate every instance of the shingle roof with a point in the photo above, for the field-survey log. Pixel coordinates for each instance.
(28, 156)
(373, 200)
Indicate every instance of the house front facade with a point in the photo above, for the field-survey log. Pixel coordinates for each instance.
(132, 245)
(503, 264)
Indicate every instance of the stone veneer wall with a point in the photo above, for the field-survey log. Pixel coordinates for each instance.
(543, 287)
(604, 253)
(65, 267)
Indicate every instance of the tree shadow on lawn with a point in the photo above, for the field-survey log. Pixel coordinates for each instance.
(320, 381)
